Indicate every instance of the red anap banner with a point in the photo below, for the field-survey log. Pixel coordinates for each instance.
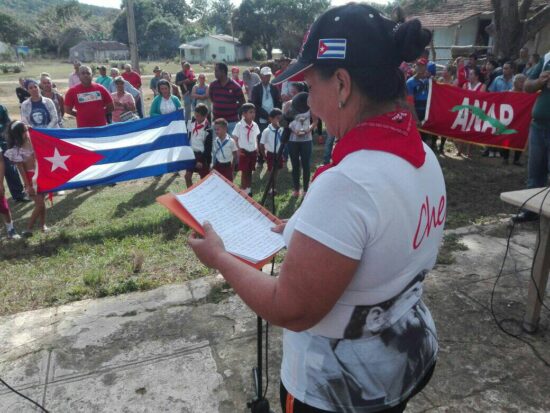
(491, 119)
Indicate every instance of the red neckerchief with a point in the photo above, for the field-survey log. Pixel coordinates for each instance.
(248, 130)
(393, 132)
(198, 127)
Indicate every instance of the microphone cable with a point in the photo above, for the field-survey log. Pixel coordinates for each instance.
(539, 296)
(23, 396)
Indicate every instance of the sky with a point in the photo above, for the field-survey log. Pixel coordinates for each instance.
(116, 3)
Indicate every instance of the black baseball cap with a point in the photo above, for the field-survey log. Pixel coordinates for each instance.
(353, 35)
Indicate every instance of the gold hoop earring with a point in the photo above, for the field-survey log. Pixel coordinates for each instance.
(340, 105)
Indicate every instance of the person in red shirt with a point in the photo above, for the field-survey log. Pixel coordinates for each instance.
(89, 102)
(134, 78)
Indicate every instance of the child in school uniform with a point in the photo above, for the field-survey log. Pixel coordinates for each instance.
(4, 207)
(21, 153)
(245, 134)
(224, 150)
(270, 141)
(200, 138)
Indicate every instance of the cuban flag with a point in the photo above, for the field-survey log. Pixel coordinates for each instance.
(75, 158)
(332, 49)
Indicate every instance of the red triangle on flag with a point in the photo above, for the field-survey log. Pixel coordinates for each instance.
(322, 48)
(59, 161)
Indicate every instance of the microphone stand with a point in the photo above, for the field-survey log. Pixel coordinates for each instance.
(260, 404)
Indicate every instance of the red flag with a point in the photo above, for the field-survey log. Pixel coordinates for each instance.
(491, 119)
(59, 161)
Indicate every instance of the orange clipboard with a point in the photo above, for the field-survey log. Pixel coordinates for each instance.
(177, 209)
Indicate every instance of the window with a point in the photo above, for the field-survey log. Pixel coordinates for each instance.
(221, 49)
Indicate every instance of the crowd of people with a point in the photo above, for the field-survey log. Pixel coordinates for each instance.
(469, 74)
(234, 123)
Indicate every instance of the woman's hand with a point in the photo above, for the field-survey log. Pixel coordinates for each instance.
(279, 228)
(30, 190)
(208, 249)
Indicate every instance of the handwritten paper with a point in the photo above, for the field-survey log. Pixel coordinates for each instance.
(245, 231)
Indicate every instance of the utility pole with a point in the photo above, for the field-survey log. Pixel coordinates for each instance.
(132, 38)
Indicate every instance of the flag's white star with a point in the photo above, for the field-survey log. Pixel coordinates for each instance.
(57, 160)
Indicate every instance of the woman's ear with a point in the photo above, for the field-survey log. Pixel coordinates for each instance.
(343, 84)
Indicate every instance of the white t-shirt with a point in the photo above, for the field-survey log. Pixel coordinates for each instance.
(222, 151)
(167, 106)
(301, 122)
(197, 137)
(245, 135)
(268, 138)
(389, 216)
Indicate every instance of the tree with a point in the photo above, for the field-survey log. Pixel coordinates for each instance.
(64, 26)
(10, 30)
(512, 27)
(162, 37)
(272, 23)
(145, 11)
(220, 16)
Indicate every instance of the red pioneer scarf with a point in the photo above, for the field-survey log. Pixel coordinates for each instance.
(392, 132)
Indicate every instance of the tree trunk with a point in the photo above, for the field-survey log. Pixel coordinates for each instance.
(512, 28)
(508, 29)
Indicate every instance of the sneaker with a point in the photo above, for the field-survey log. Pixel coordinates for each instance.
(23, 199)
(45, 229)
(12, 234)
(491, 154)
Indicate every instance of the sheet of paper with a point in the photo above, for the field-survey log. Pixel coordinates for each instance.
(245, 231)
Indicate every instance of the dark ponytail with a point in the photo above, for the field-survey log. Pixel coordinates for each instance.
(411, 39)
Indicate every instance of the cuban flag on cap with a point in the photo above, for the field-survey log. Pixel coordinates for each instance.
(332, 49)
(75, 158)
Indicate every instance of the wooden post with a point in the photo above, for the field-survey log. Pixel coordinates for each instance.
(537, 42)
(432, 46)
(457, 34)
(537, 286)
(132, 38)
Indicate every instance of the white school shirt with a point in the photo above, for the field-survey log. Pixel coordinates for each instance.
(268, 138)
(222, 151)
(246, 140)
(197, 137)
(389, 216)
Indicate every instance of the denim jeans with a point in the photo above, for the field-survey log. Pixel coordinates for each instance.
(539, 156)
(300, 155)
(327, 153)
(12, 178)
(187, 106)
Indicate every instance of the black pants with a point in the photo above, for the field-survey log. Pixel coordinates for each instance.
(299, 407)
(12, 178)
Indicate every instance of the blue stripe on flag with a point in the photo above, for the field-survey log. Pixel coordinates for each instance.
(115, 129)
(138, 173)
(341, 41)
(332, 56)
(130, 152)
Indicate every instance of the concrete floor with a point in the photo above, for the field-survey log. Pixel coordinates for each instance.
(174, 350)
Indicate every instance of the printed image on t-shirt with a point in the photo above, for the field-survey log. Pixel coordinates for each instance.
(386, 350)
(88, 96)
(39, 116)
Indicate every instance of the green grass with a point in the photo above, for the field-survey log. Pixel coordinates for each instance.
(100, 237)
(451, 243)
(98, 241)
